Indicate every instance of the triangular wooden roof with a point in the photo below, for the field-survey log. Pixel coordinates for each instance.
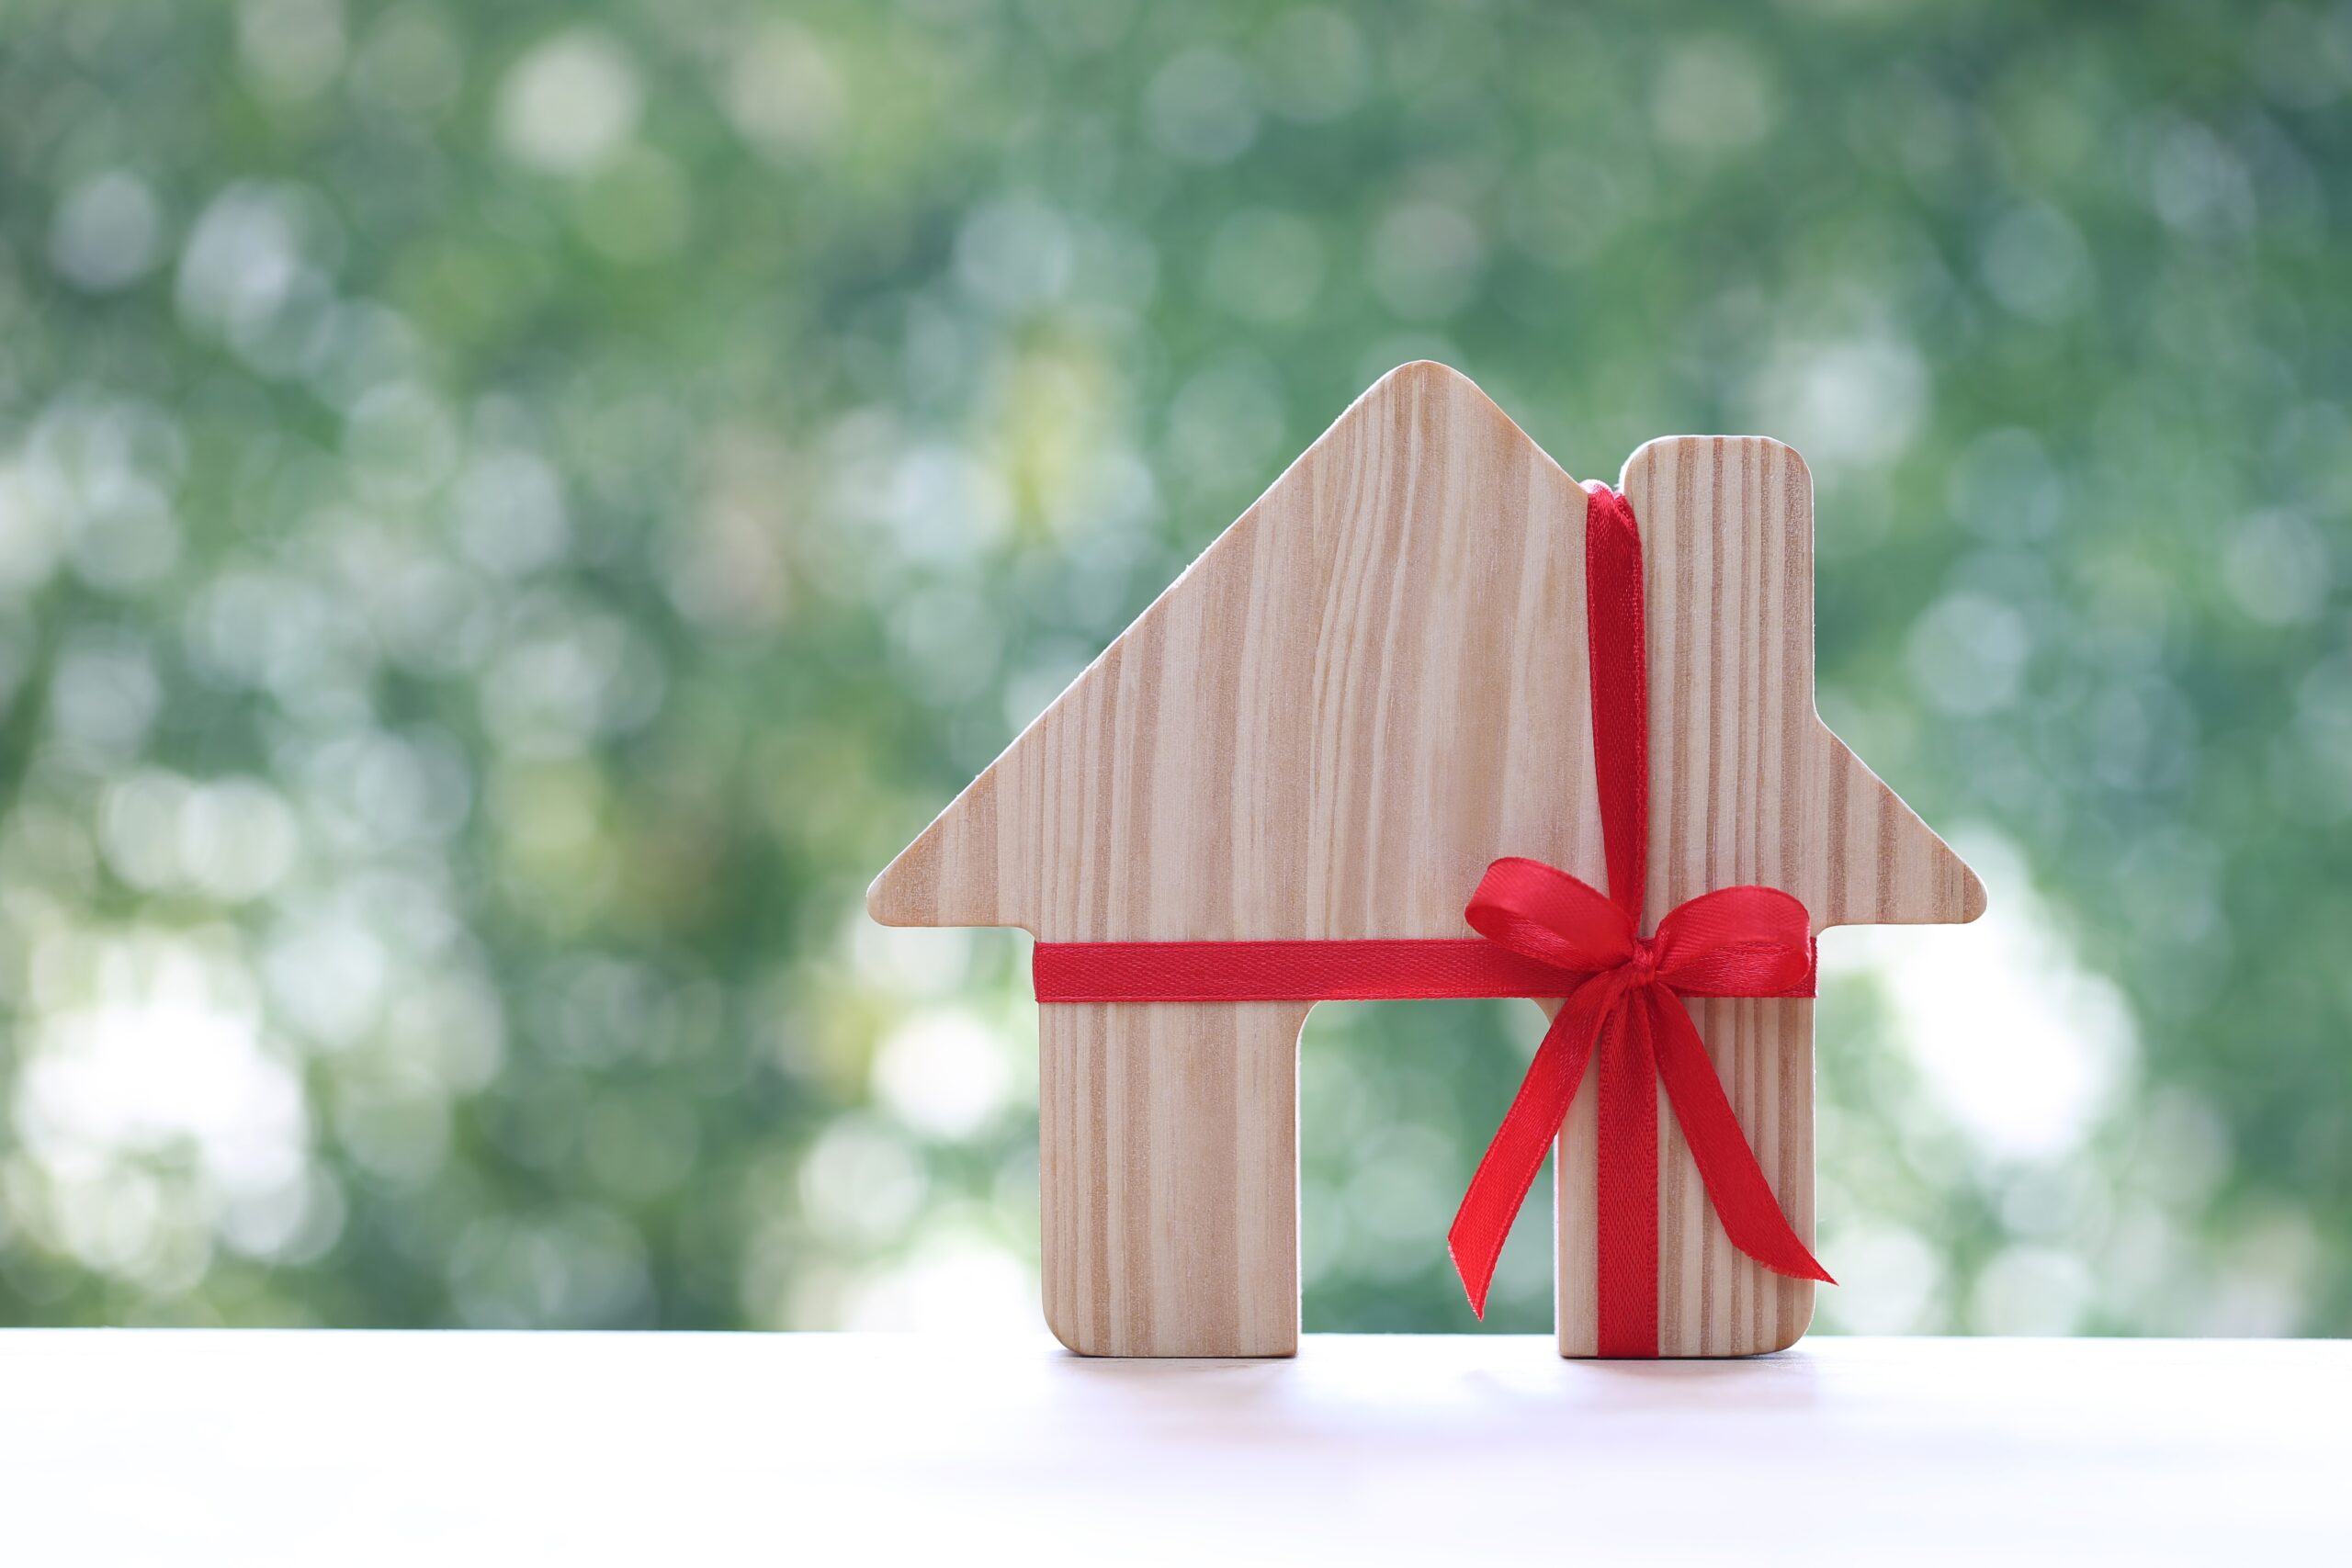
(1374, 683)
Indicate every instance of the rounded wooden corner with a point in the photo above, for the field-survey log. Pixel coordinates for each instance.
(1973, 897)
(1079, 1340)
(1659, 448)
(1794, 1326)
(1433, 371)
(1071, 1337)
(904, 892)
(881, 902)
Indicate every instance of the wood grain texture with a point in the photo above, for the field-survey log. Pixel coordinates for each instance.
(1367, 688)
(1169, 1168)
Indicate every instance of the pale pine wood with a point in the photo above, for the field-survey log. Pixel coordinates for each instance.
(1370, 686)
(1169, 1164)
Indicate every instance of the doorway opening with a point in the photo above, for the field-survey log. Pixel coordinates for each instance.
(1397, 1102)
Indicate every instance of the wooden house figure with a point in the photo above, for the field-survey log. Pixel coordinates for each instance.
(1368, 688)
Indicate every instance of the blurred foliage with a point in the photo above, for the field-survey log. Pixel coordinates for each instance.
(509, 515)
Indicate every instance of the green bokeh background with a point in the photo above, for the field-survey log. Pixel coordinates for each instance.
(510, 515)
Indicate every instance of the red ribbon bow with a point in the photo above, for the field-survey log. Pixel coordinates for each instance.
(1548, 934)
(1622, 989)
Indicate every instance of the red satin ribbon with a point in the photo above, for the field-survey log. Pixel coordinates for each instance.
(1548, 934)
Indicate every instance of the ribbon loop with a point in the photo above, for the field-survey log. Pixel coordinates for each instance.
(1541, 912)
(1737, 942)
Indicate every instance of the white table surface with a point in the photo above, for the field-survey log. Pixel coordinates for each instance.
(331, 1448)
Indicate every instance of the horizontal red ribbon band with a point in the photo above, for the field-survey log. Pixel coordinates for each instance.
(1375, 969)
(1379, 970)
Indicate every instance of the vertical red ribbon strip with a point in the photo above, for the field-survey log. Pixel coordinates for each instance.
(1543, 932)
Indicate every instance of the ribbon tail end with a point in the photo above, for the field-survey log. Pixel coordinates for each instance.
(1475, 1281)
(1810, 1268)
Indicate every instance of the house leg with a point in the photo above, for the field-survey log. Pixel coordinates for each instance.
(1169, 1168)
(1712, 1299)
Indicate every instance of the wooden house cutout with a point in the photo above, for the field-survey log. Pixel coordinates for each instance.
(1370, 686)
